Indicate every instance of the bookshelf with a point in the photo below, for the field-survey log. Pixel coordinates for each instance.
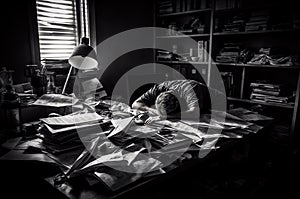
(182, 36)
(245, 26)
(185, 12)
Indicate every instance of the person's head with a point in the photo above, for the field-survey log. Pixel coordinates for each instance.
(167, 104)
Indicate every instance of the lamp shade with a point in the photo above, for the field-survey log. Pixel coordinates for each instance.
(84, 56)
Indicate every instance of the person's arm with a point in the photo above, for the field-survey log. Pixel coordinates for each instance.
(192, 113)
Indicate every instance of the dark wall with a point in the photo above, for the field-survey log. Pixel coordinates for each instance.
(17, 31)
(116, 16)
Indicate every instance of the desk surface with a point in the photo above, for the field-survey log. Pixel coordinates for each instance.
(79, 186)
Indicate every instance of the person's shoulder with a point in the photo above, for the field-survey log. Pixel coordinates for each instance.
(195, 82)
(179, 81)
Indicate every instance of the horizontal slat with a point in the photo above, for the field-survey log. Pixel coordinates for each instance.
(56, 27)
(53, 10)
(57, 51)
(67, 2)
(57, 37)
(62, 54)
(58, 32)
(56, 56)
(57, 47)
(57, 42)
(56, 20)
(68, 53)
(54, 5)
(53, 29)
(47, 14)
(47, 24)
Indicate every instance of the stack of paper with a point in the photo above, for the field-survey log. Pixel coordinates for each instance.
(60, 134)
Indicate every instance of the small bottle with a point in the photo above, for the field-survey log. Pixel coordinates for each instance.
(50, 83)
(10, 103)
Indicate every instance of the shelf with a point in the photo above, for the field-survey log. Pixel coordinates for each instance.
(288, 106)
(282, 66)
(254, 32)
(182, 36)
(244, 9)
(185, 13)
(182, 62)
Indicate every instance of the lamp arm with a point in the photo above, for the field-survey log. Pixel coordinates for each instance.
(67, 79)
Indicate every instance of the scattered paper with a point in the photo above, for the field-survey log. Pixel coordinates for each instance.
(55, 100)
(120, 125)
(73, 127)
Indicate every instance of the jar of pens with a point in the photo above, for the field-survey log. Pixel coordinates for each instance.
(38, 78)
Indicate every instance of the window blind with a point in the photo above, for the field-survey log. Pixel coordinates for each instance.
(57, 28)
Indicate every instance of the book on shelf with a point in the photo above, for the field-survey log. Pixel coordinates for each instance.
(266, 91)
(265, 85)
(202, 51)
(164, 56)
(189, 5)
(272, 93)
(165, 7)
(221, 4)
(228, 82)
(205, 45)
(269, 98)
(229, 53)
(228, 4)
(258, 21)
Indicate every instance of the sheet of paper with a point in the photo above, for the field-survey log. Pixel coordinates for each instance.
(69, 128)
(202, 124)
(37, 142)
(120, 125)
(248, 115)
(55, 100)
(189, 131)
(72, 119)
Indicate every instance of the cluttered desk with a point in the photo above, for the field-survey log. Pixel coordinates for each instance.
(105, 144)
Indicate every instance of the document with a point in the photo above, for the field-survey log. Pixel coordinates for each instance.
(55, 100)
(72, 119)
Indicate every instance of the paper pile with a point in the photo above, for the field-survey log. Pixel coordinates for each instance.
(60, 134)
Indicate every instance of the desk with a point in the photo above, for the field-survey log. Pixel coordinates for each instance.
(144, 188)
(79, 187)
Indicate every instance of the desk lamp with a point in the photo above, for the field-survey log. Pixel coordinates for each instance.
(82, 58)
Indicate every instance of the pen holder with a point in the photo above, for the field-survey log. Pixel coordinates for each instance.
(39, 84)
